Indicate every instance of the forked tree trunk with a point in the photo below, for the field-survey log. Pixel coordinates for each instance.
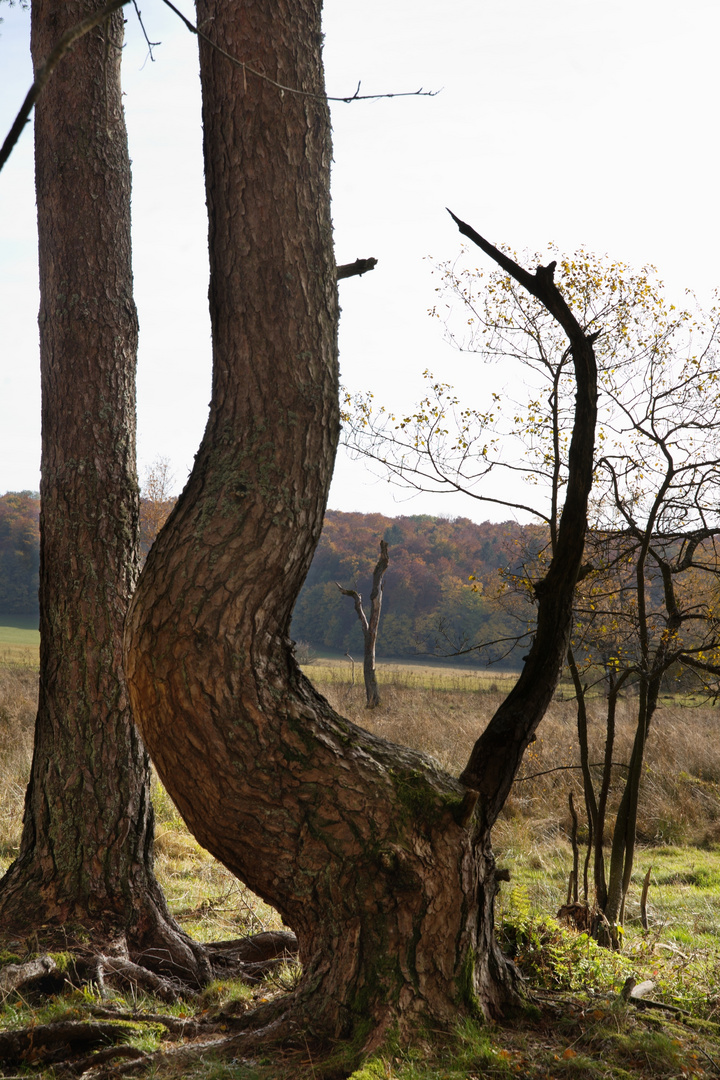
(370, 626)
(371, 854)
(86, 850)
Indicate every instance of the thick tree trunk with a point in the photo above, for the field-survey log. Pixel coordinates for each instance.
(370, 853)
(361, 845)
(85, 855)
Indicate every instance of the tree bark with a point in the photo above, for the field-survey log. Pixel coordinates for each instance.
(352, 839)
(370, 853)
(85, 855)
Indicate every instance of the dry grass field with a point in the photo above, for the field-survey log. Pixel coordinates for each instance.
(442, 712)
(583, 1027)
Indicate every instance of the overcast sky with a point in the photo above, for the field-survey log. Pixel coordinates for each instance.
(570, 121)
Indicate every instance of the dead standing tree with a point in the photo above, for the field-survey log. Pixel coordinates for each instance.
(370, 626)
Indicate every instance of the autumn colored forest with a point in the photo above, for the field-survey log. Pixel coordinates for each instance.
(444, 589)
(19, 552)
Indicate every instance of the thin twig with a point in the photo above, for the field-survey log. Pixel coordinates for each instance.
(357, 96)
(150, 44)
(558, 768)
(45, 71)
(80, 29)
(711, 1060)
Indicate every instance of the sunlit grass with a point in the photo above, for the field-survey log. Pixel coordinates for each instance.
(342, 673)
(19, 647)
(592, 1033)
(206, 899)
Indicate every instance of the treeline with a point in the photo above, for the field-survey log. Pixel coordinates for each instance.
(20, 546)
(441, 589)
(19, 552)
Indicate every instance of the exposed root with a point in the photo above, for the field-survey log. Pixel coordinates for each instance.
(41, 974)
(139, 1059)
(77, 1046)
(252, 955)
(49, 1043)
(176, 1026)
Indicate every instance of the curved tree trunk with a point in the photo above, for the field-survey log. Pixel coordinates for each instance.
(86, 850)
(354, 840)
(371, 854)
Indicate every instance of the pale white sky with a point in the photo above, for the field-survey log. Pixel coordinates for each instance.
(566, 120)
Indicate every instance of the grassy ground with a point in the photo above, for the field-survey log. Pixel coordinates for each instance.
(581, 1026)
(19, 647)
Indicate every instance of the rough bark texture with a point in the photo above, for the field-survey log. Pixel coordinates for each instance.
(354, 840)
(371, 854)
(85, 854)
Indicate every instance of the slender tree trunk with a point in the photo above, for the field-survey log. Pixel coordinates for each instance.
(599, 861)
(85, 856)
(370, 626)
(623, 847)
(588, 788)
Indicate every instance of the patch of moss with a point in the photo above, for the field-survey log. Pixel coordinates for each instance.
(416, 794)
(64, 960)
(466, 986)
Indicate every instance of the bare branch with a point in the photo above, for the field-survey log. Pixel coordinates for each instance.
(563, 768)
(496, 755)
(357, 268)
(45, 71)
(150, 44)
(356, 96)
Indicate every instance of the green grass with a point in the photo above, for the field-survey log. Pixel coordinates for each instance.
(206, 899)
(581, 1029)
(19, 641)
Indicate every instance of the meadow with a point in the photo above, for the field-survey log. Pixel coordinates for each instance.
(20, 645)
(580, 1025)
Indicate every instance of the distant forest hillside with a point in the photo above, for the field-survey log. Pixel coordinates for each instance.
(430, 607)
(440, 588)
(19, 552)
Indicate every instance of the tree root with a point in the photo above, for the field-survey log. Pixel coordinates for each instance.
(133, 975)
(269, 946)
(138, 1058)
(48, 1043)
(41, 974)
(60, 1043)
(176, 1026)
